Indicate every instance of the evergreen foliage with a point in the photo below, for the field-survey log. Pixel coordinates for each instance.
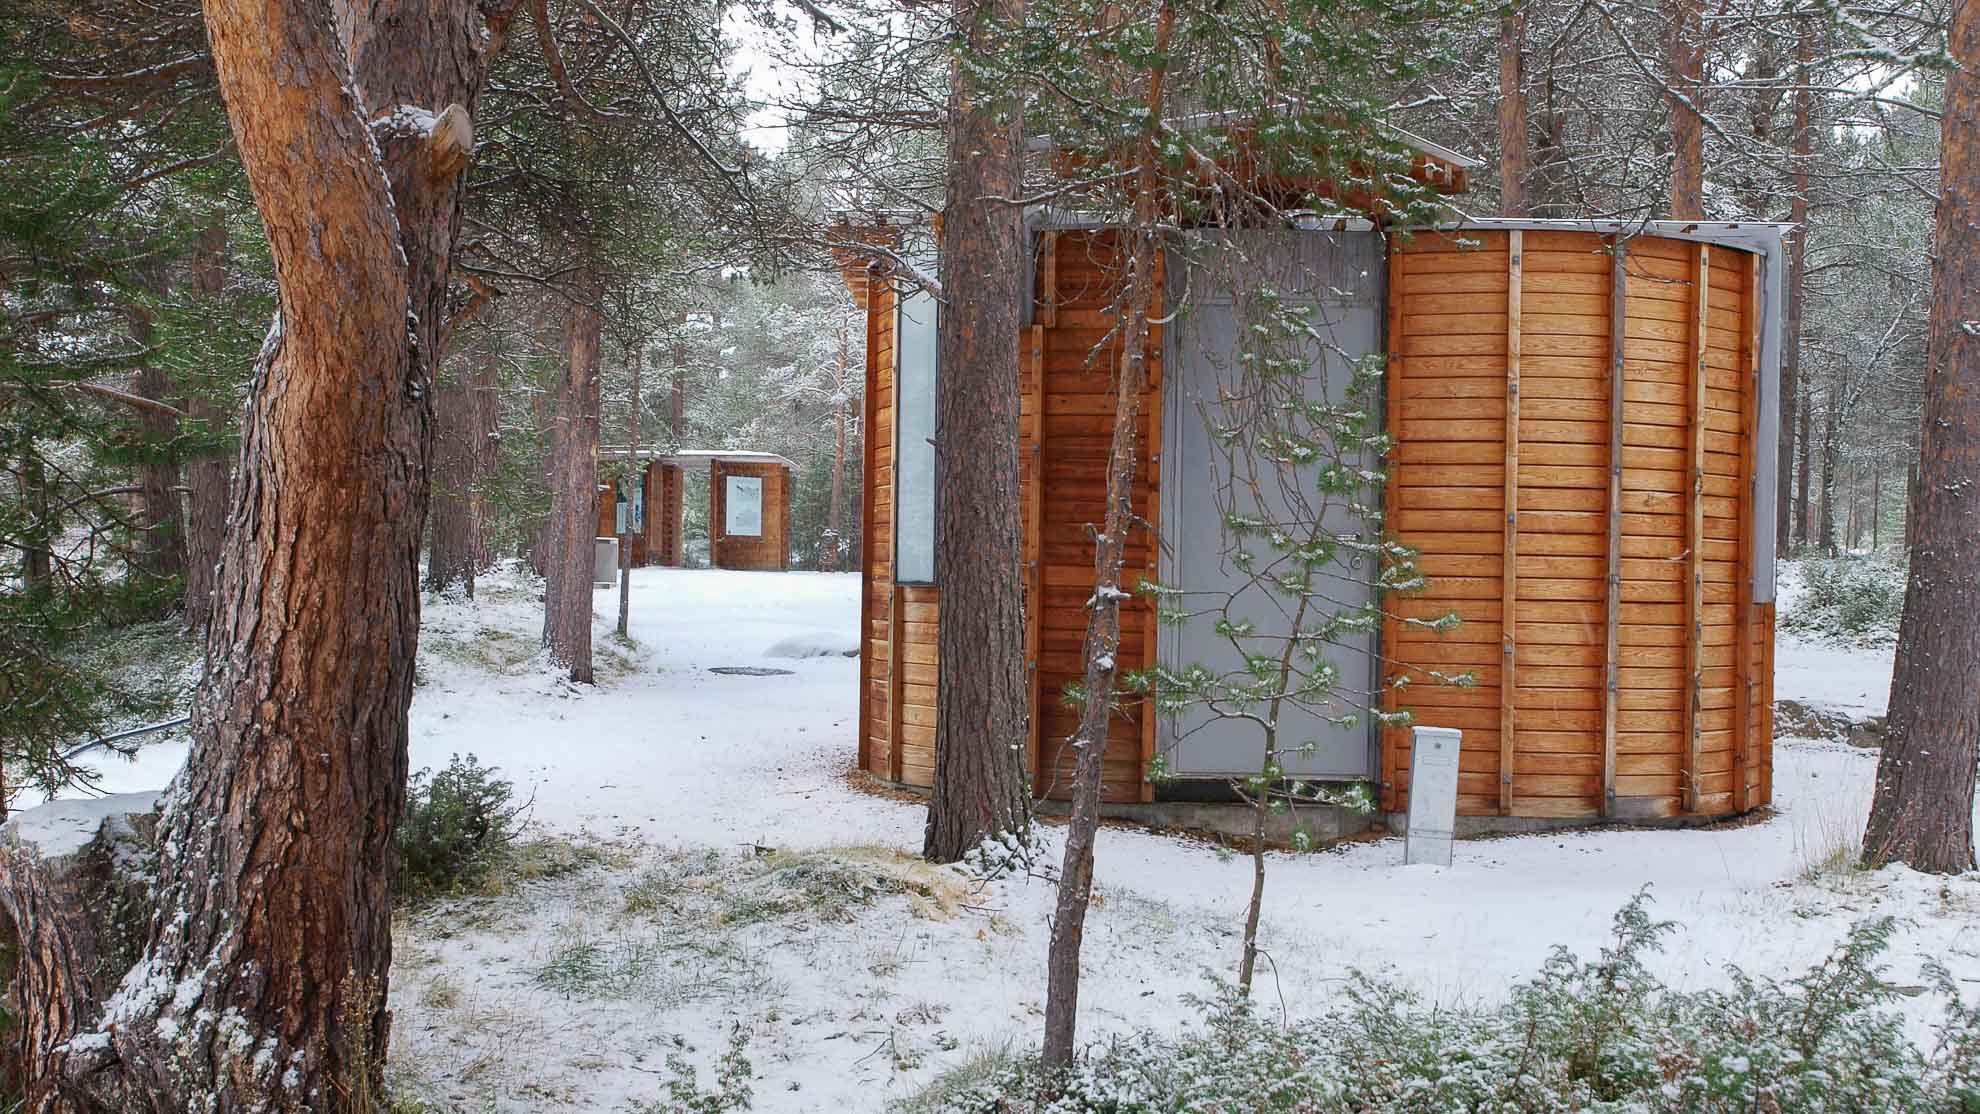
(1584, 1035)
(460, 824)
(81, 249)
(1854, 600)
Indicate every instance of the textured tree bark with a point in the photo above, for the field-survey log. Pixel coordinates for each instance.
(1797, 280)
(1687, 79)
(574, 485)
(638, 479)
(450, 556)
(1140, 254)
(74, 920)
(982, 698)
(1513, 162)
(208, 474)
(262, 983)
(835, 509)
(162, 549)
(1825, 515)
(1803, 499)
(1922, 814)
(1102, 649)
(37, 560)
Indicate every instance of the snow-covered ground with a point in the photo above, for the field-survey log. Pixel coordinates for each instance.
(573, 991)
(1853, 681)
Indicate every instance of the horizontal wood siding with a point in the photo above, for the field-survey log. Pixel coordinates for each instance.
(1079, 361)
(1448, 391)
(1451, 479)
(1448, 346)
(876, 543)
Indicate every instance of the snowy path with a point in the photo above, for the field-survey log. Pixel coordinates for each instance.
(667, 755)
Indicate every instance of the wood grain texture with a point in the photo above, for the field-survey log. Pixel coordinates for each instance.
(1695, 530)
(1509, 566)
(1564, 480)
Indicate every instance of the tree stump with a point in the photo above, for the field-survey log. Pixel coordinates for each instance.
(76, 893)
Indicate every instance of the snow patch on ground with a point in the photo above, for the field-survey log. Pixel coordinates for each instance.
(664, 763)
(64, 827)
(1854, 681)
(816, 644)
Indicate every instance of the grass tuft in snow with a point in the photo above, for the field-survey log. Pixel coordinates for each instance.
(980, 1071)
(441, 993)
(1828, 838)
(731, 1092)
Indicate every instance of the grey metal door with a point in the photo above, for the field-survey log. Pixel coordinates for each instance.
(1342, 274)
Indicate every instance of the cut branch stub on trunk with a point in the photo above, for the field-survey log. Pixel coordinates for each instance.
(74, 886)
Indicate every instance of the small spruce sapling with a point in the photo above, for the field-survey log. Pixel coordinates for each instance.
(1297, 473)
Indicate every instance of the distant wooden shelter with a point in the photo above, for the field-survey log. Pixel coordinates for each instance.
(749, 507)
(1583, 415)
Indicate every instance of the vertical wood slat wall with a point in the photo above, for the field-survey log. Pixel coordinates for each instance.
(876, 535)
(660, 542)
(1581, 498)
(1581, 520)
(663, 513)
(1075, 425)
(768, 551)
(1065, 424)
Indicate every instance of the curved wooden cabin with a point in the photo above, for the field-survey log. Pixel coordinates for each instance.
(1579, 414)
(749, 514)
(1577, 431)
(754, 534)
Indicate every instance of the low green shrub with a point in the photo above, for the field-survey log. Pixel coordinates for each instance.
(1602, 1036)
(459, 826)
(1853, 600)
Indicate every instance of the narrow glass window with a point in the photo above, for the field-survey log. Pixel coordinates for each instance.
(914, 425)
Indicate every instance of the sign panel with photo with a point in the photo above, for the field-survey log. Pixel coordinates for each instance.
(744, 500)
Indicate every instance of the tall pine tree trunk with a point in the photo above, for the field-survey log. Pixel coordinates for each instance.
(1687, 79)
(1911, 499)
(487, 458)
(1513, 163)
(1825, 525)
(835, 509)
(573, 525)
(1140, 255)
(1923, 811)
(982, 698)
(37, 559)
(637, 476)
(209, 484)
(208, 475)
(1876, 503)
(162, 549)
(1804, 501)
(450, 559)
(1797, 279)
(273, 925)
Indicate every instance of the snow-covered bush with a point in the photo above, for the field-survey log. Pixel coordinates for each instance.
(1598, 1035)
(458, 826)
(1856, 600)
